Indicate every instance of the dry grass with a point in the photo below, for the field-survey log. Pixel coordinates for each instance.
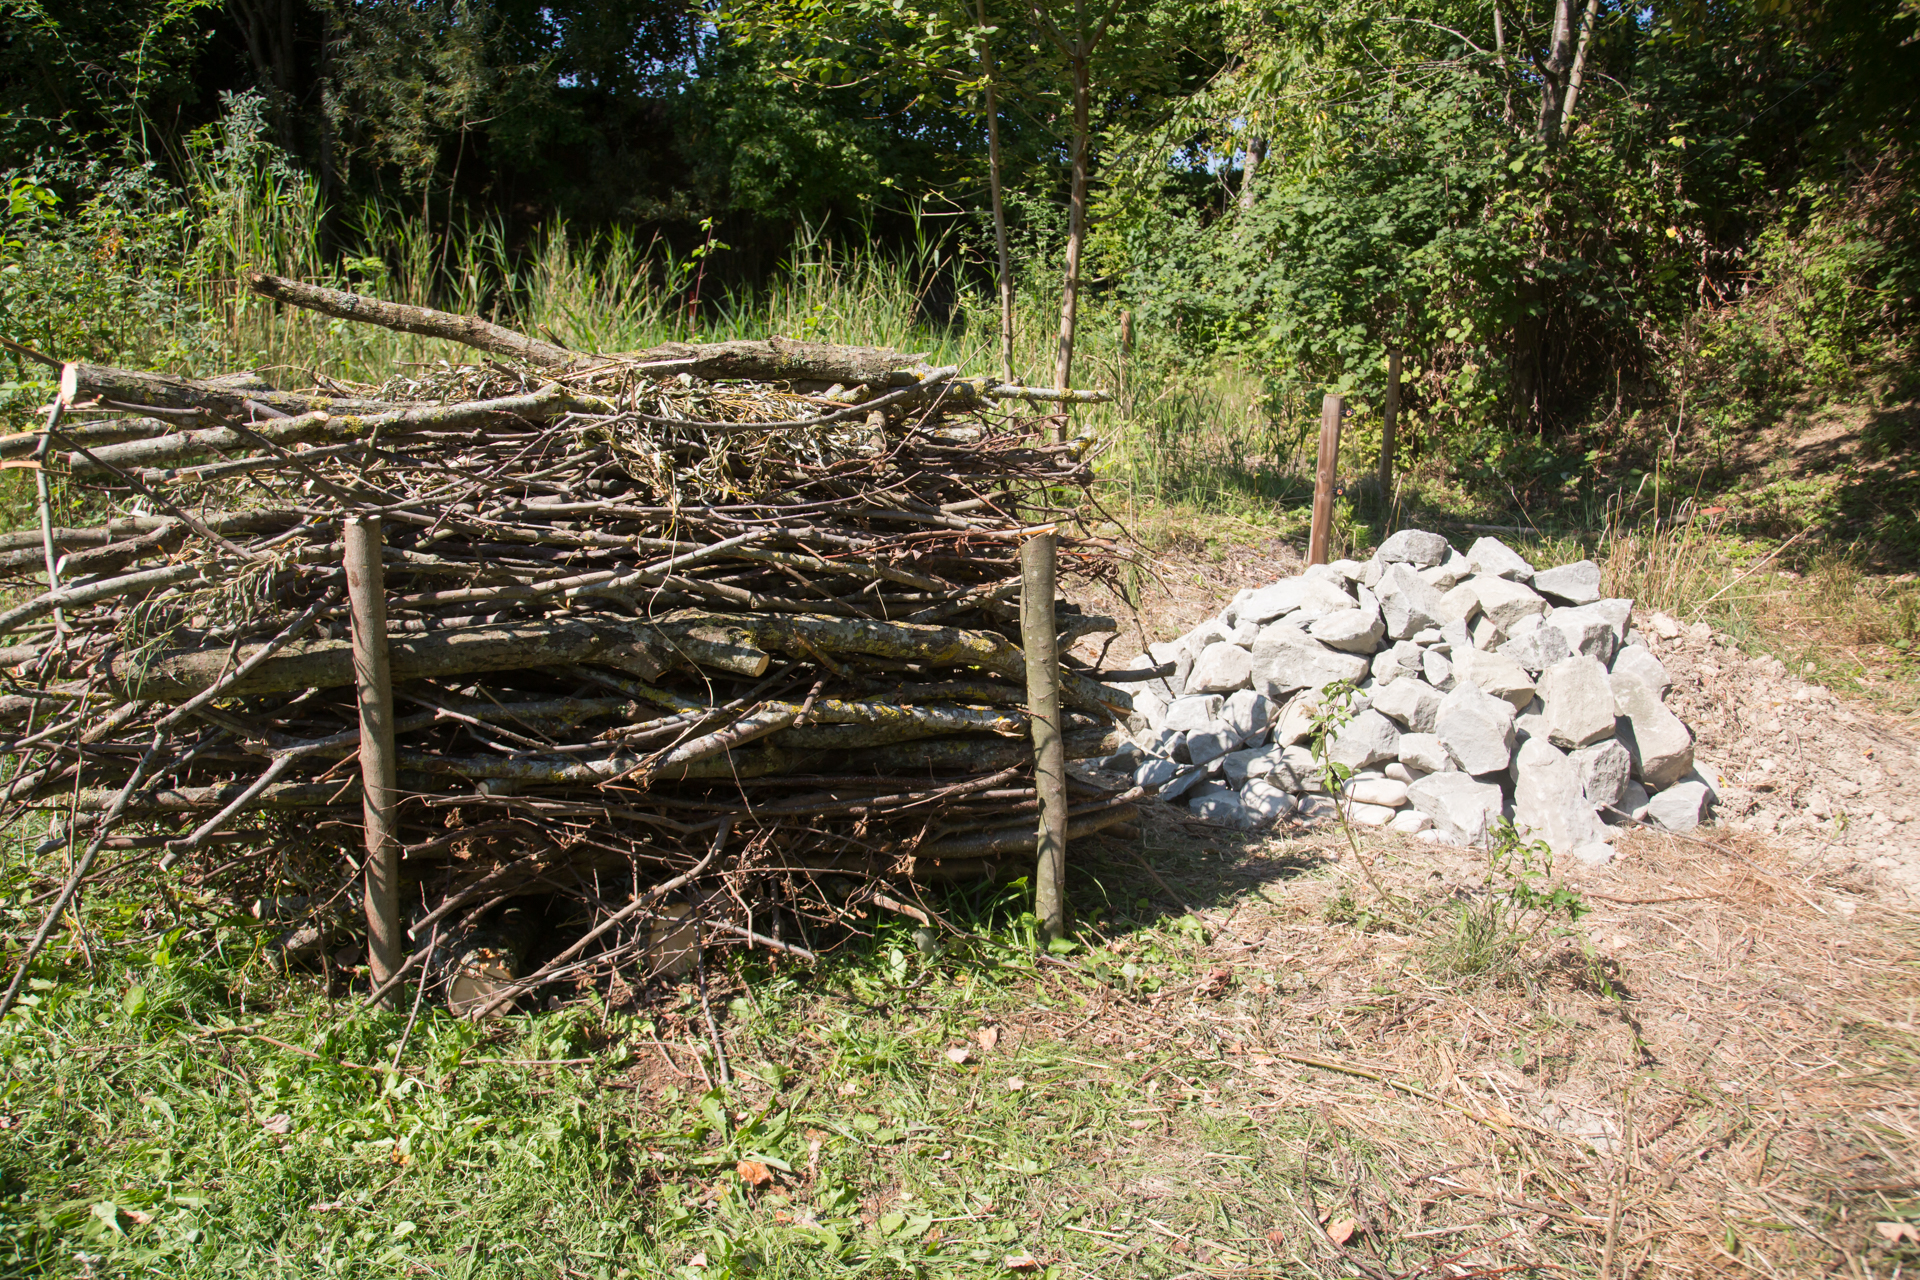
(1715, 1073)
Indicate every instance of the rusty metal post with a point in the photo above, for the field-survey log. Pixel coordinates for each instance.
(379, 773)
(1331, 410)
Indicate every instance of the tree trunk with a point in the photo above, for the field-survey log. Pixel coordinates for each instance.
(1579, 65)
(1076, 224)
(1256, 154)
(999, 206)
(1553, 72)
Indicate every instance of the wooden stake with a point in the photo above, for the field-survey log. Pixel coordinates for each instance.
(1040, 640)
(1386, 427)
(373, 685)
(1331, 410)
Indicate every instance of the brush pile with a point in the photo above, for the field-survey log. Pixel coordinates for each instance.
(723, 634)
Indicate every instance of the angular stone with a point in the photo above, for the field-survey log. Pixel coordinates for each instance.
(1244, 631)
(1605, 769)
(1423, 751)
(1378, 791)
(1295, 770)
(1638, 661)
(1408, 603)
(1253, 762)
(1633, 803)
(1709, 777)
(1459, 604)
(1125, 760)
(1409, 822)
(1416, 547)
(1588, 629)
(1182, 783)
(1531, 722)
(1456, 568)
(1265, 801)
(1204, 746)
(1495, 559)
(1579, 702)
(1402, 659)
(1534, 645)
(1477, 729)
(1548, 803)
(1223, 810)
(1488, 636)
(1350, 630)
(1296, 719)
(1221, 668)
(1249, 712)
(1438, 669)
(1315, 597)
(1660, 745)
(1577, 583)
(1506, 602)
(1461, 808)
(1594, 853)
(1366, 739)
(1182, 658)
(1496, 673)
(1155, 774)
(1149, 706)
(1286, 658)
(1212, 631)
(1351, 570)
(1196, 711)
(1413, 703)
(1680, 807)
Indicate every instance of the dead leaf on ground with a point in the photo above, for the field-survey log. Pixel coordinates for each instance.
(1898, 1232)
(989, 1037)
(754, 1173)
(1342, 1231)
(280, 1124)
(1277, 1238)
(1022, 1262)
(959, 1055)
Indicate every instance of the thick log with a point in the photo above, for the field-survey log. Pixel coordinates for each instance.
(373, 693)
(1039, 638)
(469, 331)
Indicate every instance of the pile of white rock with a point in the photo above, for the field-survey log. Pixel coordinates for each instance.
(1483, 689)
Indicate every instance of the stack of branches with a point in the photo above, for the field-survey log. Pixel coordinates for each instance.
(687, 633)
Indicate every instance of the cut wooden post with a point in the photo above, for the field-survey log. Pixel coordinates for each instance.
(1331, 409)
(373, 686)
(1387, 424)
(1041, 642)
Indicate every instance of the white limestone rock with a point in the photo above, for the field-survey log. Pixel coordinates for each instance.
(1661, 746)
(1506, 602)
(1680, 807)
(1350, 631)
(1368, 815)
(1424, 752)
(1438, 670)
(1579, 702)
(1493, 558)
(1221, 668)
(1459, 604)
(1310, 597)
(1183, 782)
(1605, 770)
(1408, 603)
(1295, 770)
(1155, 774)
(1195, 711)
(1477, 730)
(1496, 673)
(1461, 808)
(1285, 658)
(1182, 657)
(1204, 746)
(1416, 547)
(1577, 583)
(1637, 660)
(1485, 635)
(1267, 803)
(1295, 724)
(1592, 629)
(1412, 703)
(1368, 738)
(1249, 712)
(1548, 802)
(1402, 658)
